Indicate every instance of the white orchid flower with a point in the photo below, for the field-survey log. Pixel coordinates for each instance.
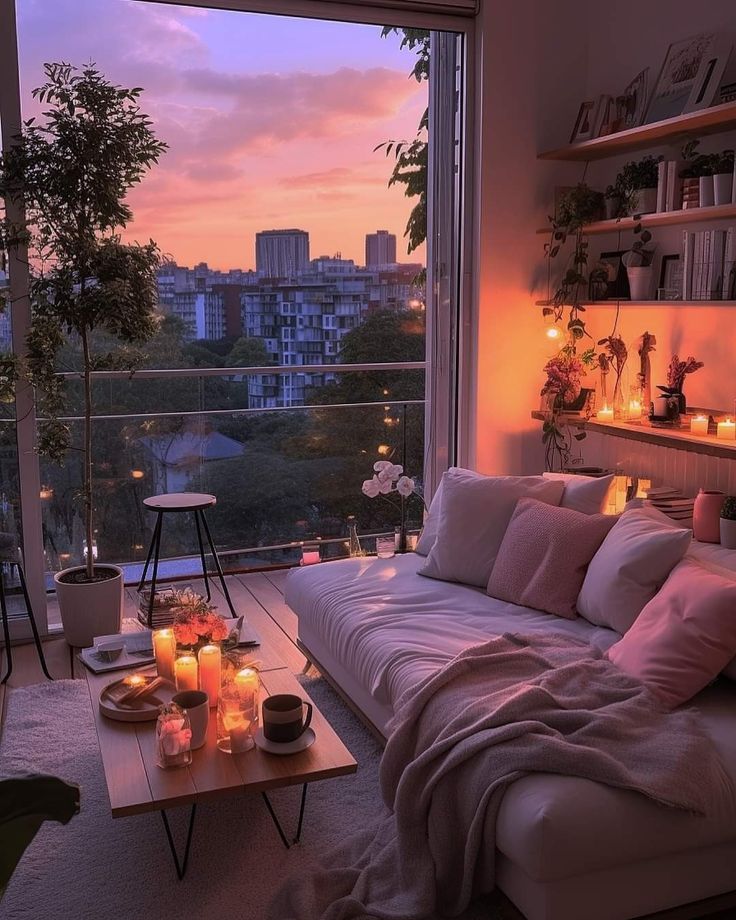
(405, 486)
(380, 465)
(391, 472)
(372, 487)
(386, 486)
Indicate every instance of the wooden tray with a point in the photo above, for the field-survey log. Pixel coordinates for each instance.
(143, 710)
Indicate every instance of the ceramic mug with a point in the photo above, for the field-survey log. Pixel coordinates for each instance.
(283, 717)
(196, 703)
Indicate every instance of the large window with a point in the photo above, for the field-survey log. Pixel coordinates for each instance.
(292, 209)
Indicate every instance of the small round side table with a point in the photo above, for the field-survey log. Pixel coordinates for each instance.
(182, 503)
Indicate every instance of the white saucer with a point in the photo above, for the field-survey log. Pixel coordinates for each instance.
(305, 740)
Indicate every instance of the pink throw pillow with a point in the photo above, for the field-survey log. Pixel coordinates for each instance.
(684, 636)
(544, 556)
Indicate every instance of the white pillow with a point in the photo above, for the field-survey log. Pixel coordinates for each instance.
(588, 494)
(428, 536)
(632, 564)
(716, 557)
(474, 514)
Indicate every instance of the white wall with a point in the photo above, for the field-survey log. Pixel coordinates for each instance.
(541, 61)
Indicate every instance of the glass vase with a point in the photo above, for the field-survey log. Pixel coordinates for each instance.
(173, 737)
(237, 711)
(354, 547)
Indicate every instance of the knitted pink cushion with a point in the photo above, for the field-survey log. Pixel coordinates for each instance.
(544, 556)
(684, 636)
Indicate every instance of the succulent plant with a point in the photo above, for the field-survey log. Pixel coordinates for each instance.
(728, 511)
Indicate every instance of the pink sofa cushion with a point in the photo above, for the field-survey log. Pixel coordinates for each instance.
(544, 556)
(684, 636)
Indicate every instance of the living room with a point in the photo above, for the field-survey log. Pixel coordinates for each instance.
(359, 572)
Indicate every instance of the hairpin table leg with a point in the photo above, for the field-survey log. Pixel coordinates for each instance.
(277, 823)
(181, 867)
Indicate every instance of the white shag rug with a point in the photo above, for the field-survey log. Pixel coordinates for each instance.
(96, 867)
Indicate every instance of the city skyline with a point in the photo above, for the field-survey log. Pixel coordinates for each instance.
(270, 121)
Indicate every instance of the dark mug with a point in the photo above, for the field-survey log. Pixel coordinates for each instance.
(283, 717)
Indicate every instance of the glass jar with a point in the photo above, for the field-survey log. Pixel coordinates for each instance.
(173, 737)
(237, 711)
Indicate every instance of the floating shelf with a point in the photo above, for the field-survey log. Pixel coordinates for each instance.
(714, 120)
(612, 302)
(662, 219)
(677, 439)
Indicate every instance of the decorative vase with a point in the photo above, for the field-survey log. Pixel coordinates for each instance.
(618, 399)
(722, 187)
(640, 281)
(728, 533)
(707, 515)
(173, 737)
(90, 609)
(646, 201)
(707, 195)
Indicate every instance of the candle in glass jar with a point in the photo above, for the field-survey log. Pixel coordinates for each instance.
(727, 430)
(209, 672)
(164, 647)
(185, 672)
(634, 408)
(699, 425)
(247, 680)
(310, 556)
(605, 414)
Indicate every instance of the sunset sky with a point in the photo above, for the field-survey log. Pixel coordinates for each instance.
(271, 121)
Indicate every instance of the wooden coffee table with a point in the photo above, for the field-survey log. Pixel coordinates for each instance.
(136, 784)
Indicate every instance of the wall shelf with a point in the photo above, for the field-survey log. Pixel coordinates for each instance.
(662, 219)
(679, 439)
(716, 119)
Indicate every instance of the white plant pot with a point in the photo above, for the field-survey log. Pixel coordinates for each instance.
(90, 609)
(640, 282)
(646, 201)
(722, 186)
(707, 196)
(728, 533)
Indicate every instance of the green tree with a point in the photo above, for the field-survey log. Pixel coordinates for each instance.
(247, 352)
(71, 173)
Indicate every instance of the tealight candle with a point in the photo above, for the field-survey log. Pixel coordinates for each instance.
(727, 430)
(605, 414)
(185, 672)
(134, 680)
(209, 672)
(164, 648)
(699, 425)
(634, 408)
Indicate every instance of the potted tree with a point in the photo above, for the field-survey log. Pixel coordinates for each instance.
(91, 294)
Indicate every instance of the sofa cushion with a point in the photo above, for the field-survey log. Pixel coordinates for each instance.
(684, 637)
(474, 514)
(631, 565)
(588, 494)
(715, 555)
(544, 556)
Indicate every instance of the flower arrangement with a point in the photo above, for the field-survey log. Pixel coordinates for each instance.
(562, 386)
(678, 370)
(617, 356)
(196, 622)
(563, 378)
(644, 346)
(389, 479)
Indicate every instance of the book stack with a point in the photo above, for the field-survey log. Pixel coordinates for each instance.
(165, 599)
(708, 264)
(673, 503)
(670, 188)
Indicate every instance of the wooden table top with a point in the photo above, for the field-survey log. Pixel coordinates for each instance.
(136, 784)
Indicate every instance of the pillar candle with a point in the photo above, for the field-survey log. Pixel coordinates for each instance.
(727, 430)
(185, 672)
(605, 414)
(247, 681)
(209, 672)
(164, 647)
(699, 425)
(634, 408)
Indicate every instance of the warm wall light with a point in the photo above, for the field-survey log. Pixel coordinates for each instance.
(553, 332)
(383, 449)
(137, 474)
(46, 493)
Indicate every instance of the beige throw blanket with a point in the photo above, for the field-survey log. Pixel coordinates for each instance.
(508, 707)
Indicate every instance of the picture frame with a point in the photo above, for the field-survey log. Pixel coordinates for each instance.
(618, 280)
(605, 116)
(710, 75)
(585, 122)
(678, 78)
(636, 98)
(670, 278)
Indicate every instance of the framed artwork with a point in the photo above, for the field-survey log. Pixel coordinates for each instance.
(710, 74)
(585, 122)
(605, 116)
(617, 279)
(678, 78)
(670, 278)
(635, 95)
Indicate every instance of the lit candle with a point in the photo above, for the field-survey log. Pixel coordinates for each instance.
(699, 425)
(727, 430)
(634, 408)
(209, 671)
(185, 672)
(605, 414)
(134, 680)
(164, 648)
(310, 556)
(247, 680)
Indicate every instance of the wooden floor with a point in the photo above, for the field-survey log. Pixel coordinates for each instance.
(259, 596)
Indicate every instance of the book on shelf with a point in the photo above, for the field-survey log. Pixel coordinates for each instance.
(673, 196)
(662, 186)
(708, 264)
(727, 289)
(688, 243)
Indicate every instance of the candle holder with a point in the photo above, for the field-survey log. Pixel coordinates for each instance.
(237, 711)
(173, 737)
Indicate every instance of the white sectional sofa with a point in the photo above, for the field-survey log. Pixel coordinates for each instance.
(567, 848)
